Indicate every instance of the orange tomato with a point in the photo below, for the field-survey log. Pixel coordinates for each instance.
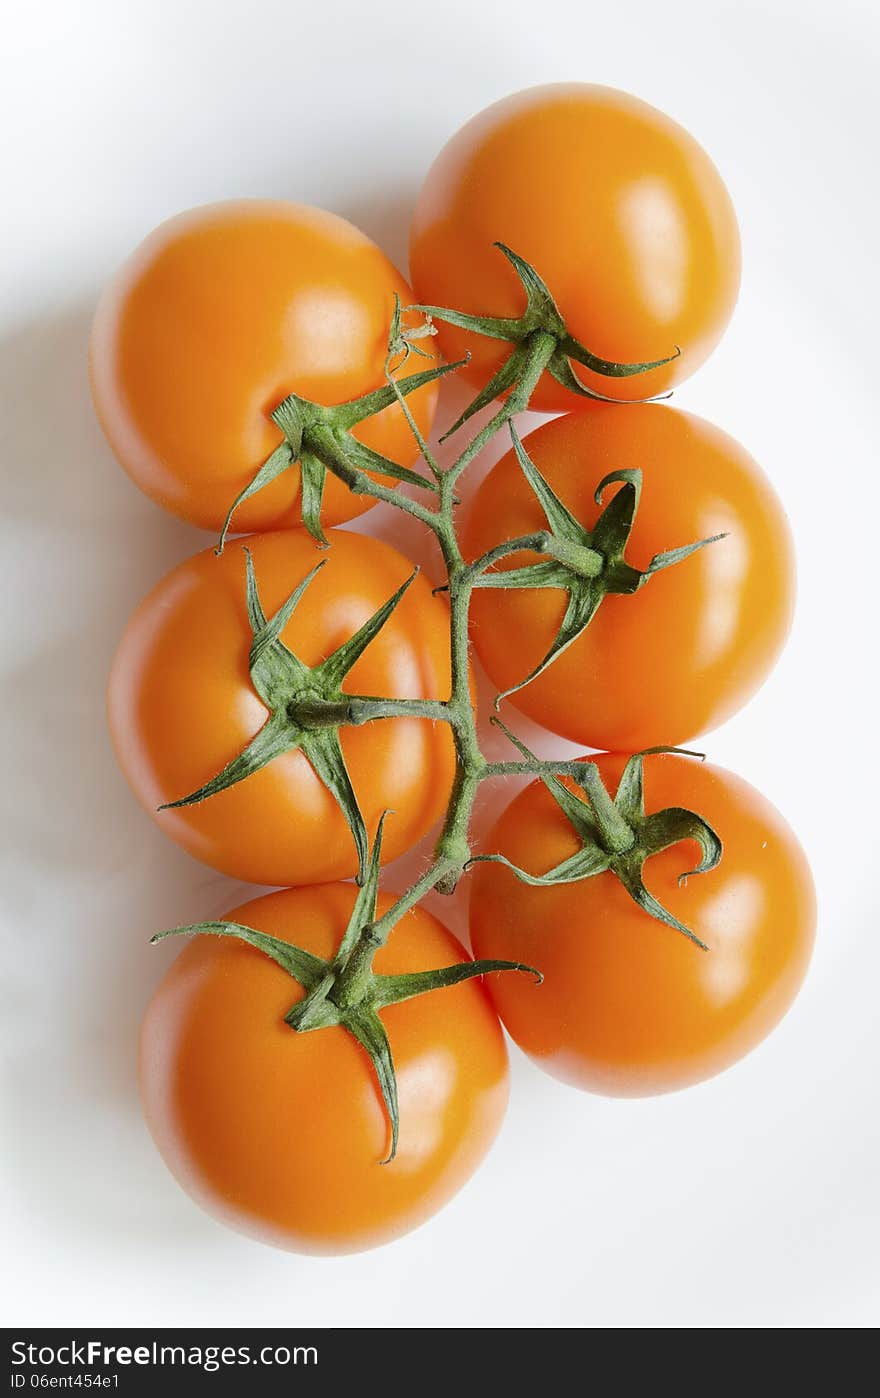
(686, 651)
(218, 316)
(628, 1006)
(281, 1134)
(182, 705)
(616, 207)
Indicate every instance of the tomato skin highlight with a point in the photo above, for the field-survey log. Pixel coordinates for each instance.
(628, 1006)
(280, 1134)
(214, 319)
(617, 208)
(684, 653)
(181, 705)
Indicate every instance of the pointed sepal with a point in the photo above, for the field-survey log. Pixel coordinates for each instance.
(493, 327)
(317, 1011)
(301, 965)
(630, 795)
(279, 460)
(629, 871)
(348, 415)
(323, 750)
(610, 368)
(562, 522)
(498, 385)
(363, 912)
(332, 671)
(312, 479)
(274, 669)
(275, 738)
(588, 861)
(583, 603)
(368, 1029)
(369, 461)
(670, 557)
(391, 990)
(560, 369)
(533, 575)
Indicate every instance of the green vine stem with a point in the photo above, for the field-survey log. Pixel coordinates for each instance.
(307, 707)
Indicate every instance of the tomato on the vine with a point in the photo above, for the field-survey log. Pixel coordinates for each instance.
(281, 1134)
(182, 705)
(219, 315)
(629, 1006)
(688, 649)
(616, 207)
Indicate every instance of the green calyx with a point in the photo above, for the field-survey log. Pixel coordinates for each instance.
(541, 341)
(307, 706)
(587, 564)
(616, 834)
(318, 439)
(345, 990)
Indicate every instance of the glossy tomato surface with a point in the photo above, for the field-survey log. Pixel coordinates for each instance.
(281, 1134)
(182, 705)
(629, 1006)
(618, 209)
(217, 317)
(691, 647)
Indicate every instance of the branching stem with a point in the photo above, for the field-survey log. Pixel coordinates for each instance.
(308, 706)
(541, 348)
(359, 483)
(452, 852)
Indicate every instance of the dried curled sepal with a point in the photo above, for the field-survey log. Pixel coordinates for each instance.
(403, 340)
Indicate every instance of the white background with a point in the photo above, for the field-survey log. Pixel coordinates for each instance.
(750, 1201)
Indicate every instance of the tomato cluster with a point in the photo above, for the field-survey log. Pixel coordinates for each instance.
(625, 577)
